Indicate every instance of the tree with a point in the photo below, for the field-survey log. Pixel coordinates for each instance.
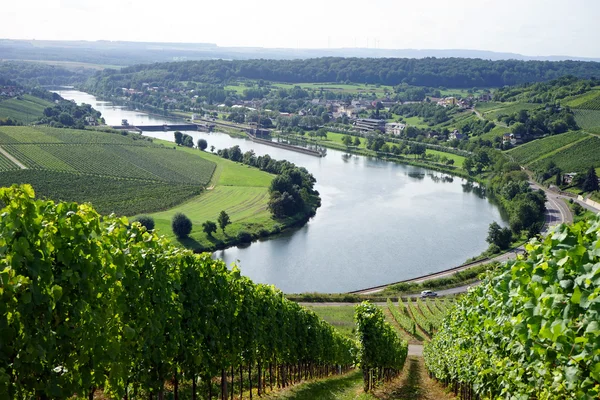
(591, 181)
(347, 140)
(202, 144)
(498, 236)
(209, 227)
(223, 220)
(212, 149)
(468, 164)
(356, 141)
(146, 221)
(178, 138)
(181, 225)
(188, 141)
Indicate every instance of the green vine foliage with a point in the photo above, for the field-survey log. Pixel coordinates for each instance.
(90, 302)
(382, 353)
(532, 329)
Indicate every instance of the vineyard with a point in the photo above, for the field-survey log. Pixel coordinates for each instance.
(6, 164)
(587, 118)
(590, 102)
(118, 310)
(382, 352)
(574, 158)
(529, 152)
(121, 196)
(587, 109)
(425, 316)
(116, 172)
(508, 109)
(24, 108)
(531, 330)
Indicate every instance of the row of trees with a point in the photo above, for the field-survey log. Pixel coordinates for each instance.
(92, 302)
(291, 191)
(548, 120)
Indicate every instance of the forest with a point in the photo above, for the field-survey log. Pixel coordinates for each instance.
(434, 72)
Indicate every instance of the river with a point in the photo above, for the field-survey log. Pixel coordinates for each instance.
(380, 222)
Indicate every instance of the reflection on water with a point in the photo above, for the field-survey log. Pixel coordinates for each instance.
(379, 222)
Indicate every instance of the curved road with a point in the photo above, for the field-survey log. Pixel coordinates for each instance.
(557, 212)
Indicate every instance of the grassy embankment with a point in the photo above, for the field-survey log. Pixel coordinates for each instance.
(239, 190)
(25, 109)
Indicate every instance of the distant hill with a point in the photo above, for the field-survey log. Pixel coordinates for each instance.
(129, 53)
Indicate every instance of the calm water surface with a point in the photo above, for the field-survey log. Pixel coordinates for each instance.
(379, 222)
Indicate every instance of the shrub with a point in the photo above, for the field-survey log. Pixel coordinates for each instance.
(181, 225)
(244, 237)
(146, 221)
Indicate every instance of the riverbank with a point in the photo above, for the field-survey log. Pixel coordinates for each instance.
(363, 151)
(242, 192)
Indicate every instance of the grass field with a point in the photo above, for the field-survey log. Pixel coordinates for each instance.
(340, 317)
(116, 173)
(534, 150)
(378, 91)
(237, 189)
(576, 157)
(416, 121)
(24, 108)
(496, 131)
(458, 160)
(483, 107)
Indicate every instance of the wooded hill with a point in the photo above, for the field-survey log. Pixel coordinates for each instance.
(449, 72)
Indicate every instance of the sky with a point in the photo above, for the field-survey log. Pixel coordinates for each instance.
(529, 27)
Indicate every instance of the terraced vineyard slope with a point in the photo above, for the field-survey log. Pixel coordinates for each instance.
(587, 110)
(118, 173)
(24, 108)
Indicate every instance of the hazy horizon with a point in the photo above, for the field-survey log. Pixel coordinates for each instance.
(533, 28)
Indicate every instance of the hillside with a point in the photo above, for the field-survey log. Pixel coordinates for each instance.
(122, 174)
(24, 109)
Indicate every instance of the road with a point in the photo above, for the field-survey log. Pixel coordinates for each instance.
(557, 212)
(11, 158)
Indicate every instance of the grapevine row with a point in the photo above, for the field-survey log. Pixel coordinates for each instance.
(89, 303)
(425, 324)
(402, 317)
(530, 330)
(382, 352)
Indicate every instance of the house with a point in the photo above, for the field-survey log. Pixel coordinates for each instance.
(369, 125)
(456, 135)
(394, 128)
(447, 102)
(91, 120)
(348, 110)
(485, 97)
(568, 177)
